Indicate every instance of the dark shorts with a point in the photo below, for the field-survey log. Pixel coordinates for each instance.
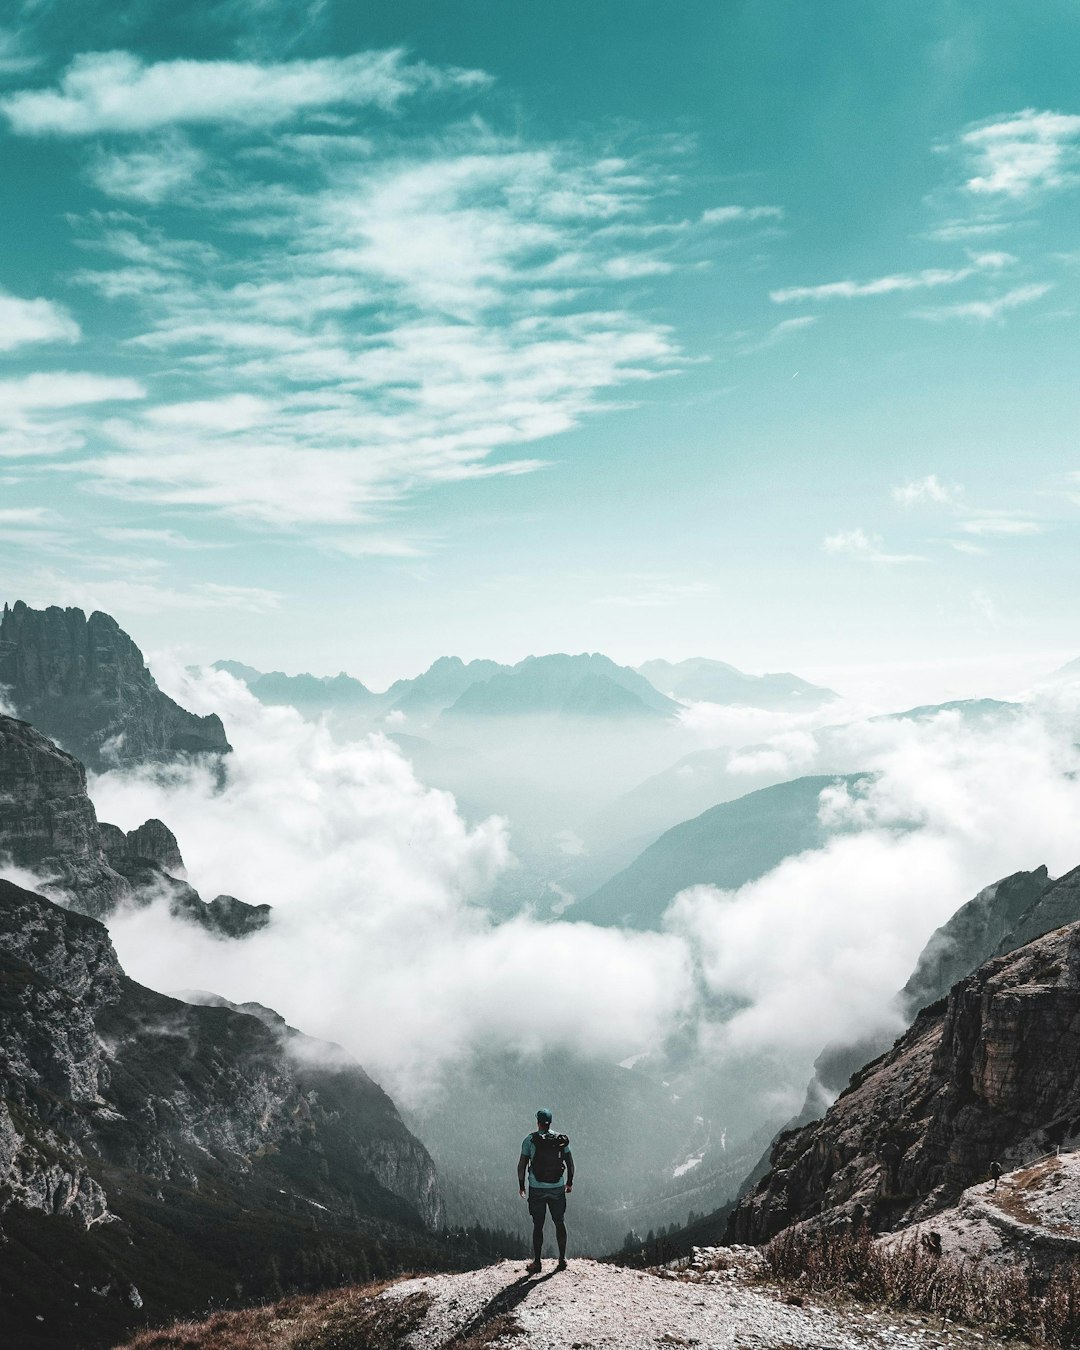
(541, 1201)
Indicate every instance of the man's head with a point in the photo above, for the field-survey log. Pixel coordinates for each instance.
(543, 1119)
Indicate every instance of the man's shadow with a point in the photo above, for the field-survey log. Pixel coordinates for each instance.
(504, 1302)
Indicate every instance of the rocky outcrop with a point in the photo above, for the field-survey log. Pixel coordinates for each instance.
(992, 1073)
(587, 685)
(195, 1152)
(49, 829)
(84, 683)
(48, 825)
(999, 919)
(985, 925)
(152, 842)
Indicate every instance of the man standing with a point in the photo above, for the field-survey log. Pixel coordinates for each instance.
(546, 1156)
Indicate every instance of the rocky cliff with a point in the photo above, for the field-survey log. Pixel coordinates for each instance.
(49, 828)
(991, 1073)
(83, 682)
(985, 925)
(48, 825)
(157, 1156)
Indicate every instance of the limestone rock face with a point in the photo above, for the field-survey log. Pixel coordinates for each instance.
(992, 1073)
(153, 841)
(48, 826)
(974, 933)
(83, 682)
(47, 822)
(190, 1149)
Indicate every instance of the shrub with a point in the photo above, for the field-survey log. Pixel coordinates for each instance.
(1042, 1305)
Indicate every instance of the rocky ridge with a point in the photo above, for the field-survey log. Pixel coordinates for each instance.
(991, 1073)
(190, 1152)
(49, 829)
(84, 683)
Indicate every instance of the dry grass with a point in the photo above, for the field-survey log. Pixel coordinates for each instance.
(1019, 1301)
(338, 1319)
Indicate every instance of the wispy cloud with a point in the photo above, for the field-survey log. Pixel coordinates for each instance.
(151, 174)
(163, 538)
(781, 332)
(866, 548)
(65, 389)
(1025, 153)
(928, 278)
(655, 592)
(117, 92)
(121, 595)
(1002, 526)
(401, 323)
(27, 321)
(726, 215)
(927, 491)
(986, 311)
(966, 231)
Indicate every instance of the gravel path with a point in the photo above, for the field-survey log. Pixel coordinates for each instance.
(592, 1304)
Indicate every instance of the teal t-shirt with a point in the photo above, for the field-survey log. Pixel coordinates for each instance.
(528, 1150)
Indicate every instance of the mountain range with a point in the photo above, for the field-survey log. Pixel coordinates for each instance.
(586, 685)
(726, 846)
(700, 680)
(157, 1155)
(84, 683)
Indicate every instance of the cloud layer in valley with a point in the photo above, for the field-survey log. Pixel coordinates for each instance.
(381, 939)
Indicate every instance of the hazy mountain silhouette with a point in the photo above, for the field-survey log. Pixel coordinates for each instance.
(699, 679)
(726, 846)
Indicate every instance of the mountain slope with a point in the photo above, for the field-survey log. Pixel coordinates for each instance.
(49, 828)
(701, 680)
(165, 1155)
(589, 685)
(442, 684)
(991, 1073)
(726, 846)
(83, 682)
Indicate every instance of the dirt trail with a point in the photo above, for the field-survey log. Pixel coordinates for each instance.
(592, 1305)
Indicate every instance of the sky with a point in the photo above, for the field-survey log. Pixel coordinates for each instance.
(345, 337)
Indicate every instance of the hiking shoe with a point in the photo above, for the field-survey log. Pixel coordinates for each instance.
(562, 1264)
(533, 1268)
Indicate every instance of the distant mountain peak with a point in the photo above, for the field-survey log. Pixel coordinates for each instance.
(84, 683)
(699, 679)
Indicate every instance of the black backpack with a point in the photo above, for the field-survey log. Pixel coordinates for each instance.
(547, 1160)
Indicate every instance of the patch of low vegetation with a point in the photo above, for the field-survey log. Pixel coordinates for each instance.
(1043, 1306)
(340, 1319)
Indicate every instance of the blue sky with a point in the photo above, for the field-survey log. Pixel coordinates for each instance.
(339, 336)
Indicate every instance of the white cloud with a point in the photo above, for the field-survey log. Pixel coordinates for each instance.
(867, 547)
(927, 491)
(470, 342)
(929, 278)
(116, 92)
(26, 321)
(377, 886)
(955, 231)
(65, 389)
(1019, 155)
(832, 933)
(151, 174)
(123, 534)
(121, 595)
(851, 290)
(724, 215)
(986, 311)
(1003, 526)
(780, 332)
(27, 515)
